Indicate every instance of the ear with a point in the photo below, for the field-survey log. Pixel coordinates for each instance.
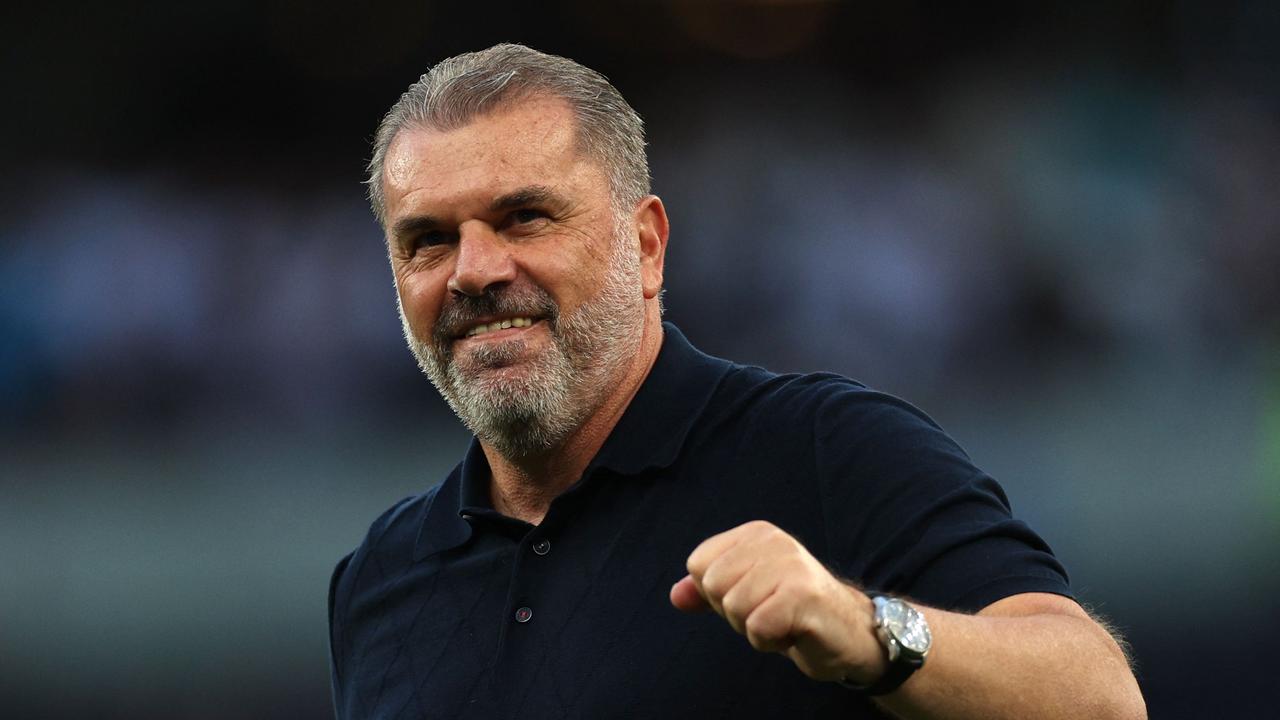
(652, 229)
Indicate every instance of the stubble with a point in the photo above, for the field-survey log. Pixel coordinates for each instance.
(523, 411)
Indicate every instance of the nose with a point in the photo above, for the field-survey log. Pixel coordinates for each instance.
(483, 260)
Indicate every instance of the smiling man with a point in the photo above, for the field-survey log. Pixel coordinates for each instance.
(520, 293)
(834, 553)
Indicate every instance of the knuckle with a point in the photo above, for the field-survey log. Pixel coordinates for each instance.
(799, 592)
(791, 544)
(697, 562)
(758, 530)
(760, 643)
(714, 584)
(810, 591)
(763, 630)
(768, 529)
(735, 605)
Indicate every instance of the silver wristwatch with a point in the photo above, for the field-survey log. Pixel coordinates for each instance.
(905, 635)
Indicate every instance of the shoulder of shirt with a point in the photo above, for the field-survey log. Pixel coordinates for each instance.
(402, 518)
(785, 397)
(397, 525)
(793, 383)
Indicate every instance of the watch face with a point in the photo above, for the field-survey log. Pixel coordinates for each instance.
(907, 626)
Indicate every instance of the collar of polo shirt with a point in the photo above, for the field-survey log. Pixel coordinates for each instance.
(649, 435)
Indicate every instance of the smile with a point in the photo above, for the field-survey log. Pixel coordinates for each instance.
(519, 322)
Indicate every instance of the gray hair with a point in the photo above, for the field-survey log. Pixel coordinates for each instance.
(457, 90)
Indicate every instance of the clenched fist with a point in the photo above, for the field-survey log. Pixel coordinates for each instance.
(770, 589)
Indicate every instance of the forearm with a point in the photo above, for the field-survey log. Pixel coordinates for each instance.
(1052, 664)
(1030, 655)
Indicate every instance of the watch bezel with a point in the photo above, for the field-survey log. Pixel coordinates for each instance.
(890, 637)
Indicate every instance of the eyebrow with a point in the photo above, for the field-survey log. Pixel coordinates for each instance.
(528, 195)
(413, 225)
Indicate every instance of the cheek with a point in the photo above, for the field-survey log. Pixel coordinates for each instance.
(570, 278)
(420, 300)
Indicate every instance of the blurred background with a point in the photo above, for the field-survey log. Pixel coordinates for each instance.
(1055, 228)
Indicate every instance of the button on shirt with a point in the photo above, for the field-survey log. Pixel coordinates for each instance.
(449, 609)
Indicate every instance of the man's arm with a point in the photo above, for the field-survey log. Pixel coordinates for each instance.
(1031, 655)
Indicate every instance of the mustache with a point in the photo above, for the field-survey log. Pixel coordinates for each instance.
(460, 312)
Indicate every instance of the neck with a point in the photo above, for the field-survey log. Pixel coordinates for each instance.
(524, 487)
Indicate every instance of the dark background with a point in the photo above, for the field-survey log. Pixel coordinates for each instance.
(1054, 227)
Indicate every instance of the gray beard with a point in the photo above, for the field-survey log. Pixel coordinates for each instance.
(560, 388)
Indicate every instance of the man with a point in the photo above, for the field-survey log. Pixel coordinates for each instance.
(851, 558)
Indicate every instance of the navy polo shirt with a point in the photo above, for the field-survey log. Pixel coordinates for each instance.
(449, 609)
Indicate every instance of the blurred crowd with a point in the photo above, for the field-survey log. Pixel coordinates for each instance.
(1017, 221)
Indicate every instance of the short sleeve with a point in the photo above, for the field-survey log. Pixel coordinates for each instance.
(908, 513)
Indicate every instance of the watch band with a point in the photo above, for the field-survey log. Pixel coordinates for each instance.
(892, 679)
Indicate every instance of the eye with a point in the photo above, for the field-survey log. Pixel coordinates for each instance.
(431, 238)
(524, 216)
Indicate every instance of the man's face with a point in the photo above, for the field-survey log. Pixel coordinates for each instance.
(519, 295)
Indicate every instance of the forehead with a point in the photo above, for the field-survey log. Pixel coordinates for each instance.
(532, 141)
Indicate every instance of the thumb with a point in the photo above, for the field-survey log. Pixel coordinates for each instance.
(685, 596)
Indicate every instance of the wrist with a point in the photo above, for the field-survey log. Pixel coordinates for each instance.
(869, 659)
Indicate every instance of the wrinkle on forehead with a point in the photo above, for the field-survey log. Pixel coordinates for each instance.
(552, 124)
(526, 144)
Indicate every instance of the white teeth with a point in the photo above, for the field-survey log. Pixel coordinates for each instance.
(500, 325)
